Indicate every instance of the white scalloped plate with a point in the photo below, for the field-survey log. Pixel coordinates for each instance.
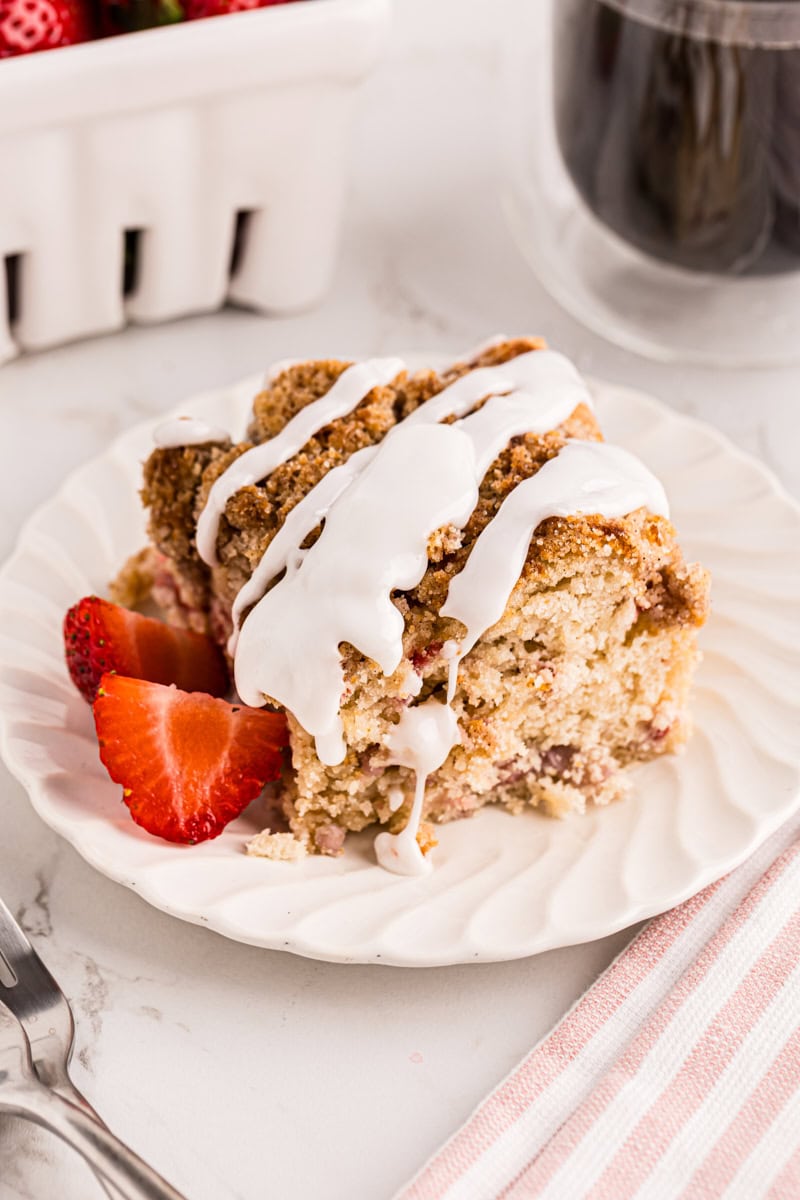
(503, 887)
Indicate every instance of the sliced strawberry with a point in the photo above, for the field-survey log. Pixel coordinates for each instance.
(100, 636)
(188, 764)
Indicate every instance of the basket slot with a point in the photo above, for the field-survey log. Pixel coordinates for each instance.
(131, 260)
(9, 303)
(297, 181)
(186, 221)
(241, 231)
(13, 287)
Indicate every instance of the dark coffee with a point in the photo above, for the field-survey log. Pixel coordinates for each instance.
(685, 146)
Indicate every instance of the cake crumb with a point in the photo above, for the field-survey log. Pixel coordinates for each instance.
(132, 587)
(426, 838)
(280, 847)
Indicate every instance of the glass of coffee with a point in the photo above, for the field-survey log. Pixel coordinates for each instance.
(656, 164)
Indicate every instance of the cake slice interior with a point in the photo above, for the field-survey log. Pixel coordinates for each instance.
(583, 668)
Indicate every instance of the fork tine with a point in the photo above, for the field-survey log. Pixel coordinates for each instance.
(12, 933)
(36, 999)
(14, 942)
(25, 963)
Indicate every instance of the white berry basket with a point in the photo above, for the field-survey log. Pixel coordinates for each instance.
(161, 173)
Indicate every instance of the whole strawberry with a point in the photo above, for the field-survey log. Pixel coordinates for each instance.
(195, 9)
(30, 25)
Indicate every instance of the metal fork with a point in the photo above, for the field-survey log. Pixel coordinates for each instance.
(36, 1037)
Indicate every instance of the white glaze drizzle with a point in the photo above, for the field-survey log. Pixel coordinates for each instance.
(287, 542)
(585, 478)
(374, 542)
(380, 509)
(397, 798)
(556, 389)
(256, 464)
(421, 741)
(505, 417)
(187, 431)
(544, 374)
(411, 682)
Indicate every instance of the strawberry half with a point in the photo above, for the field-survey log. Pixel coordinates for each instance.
(100, 636)
(188, 764)
(30, 25)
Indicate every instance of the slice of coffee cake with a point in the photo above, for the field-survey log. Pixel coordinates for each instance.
(458, 592)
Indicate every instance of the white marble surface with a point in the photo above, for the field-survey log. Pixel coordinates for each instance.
(240, 1073)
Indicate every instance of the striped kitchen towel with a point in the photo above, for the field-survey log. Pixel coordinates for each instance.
(676, 1075)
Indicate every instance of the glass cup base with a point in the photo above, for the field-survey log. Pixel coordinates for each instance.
(661, 312)
(634, 300)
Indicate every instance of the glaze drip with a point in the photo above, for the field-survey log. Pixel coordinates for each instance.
(421, 741)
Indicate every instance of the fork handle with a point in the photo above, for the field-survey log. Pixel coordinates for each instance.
(67, 1090)
(104, 1153)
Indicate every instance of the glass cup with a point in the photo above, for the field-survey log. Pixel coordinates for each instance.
(655, 159)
